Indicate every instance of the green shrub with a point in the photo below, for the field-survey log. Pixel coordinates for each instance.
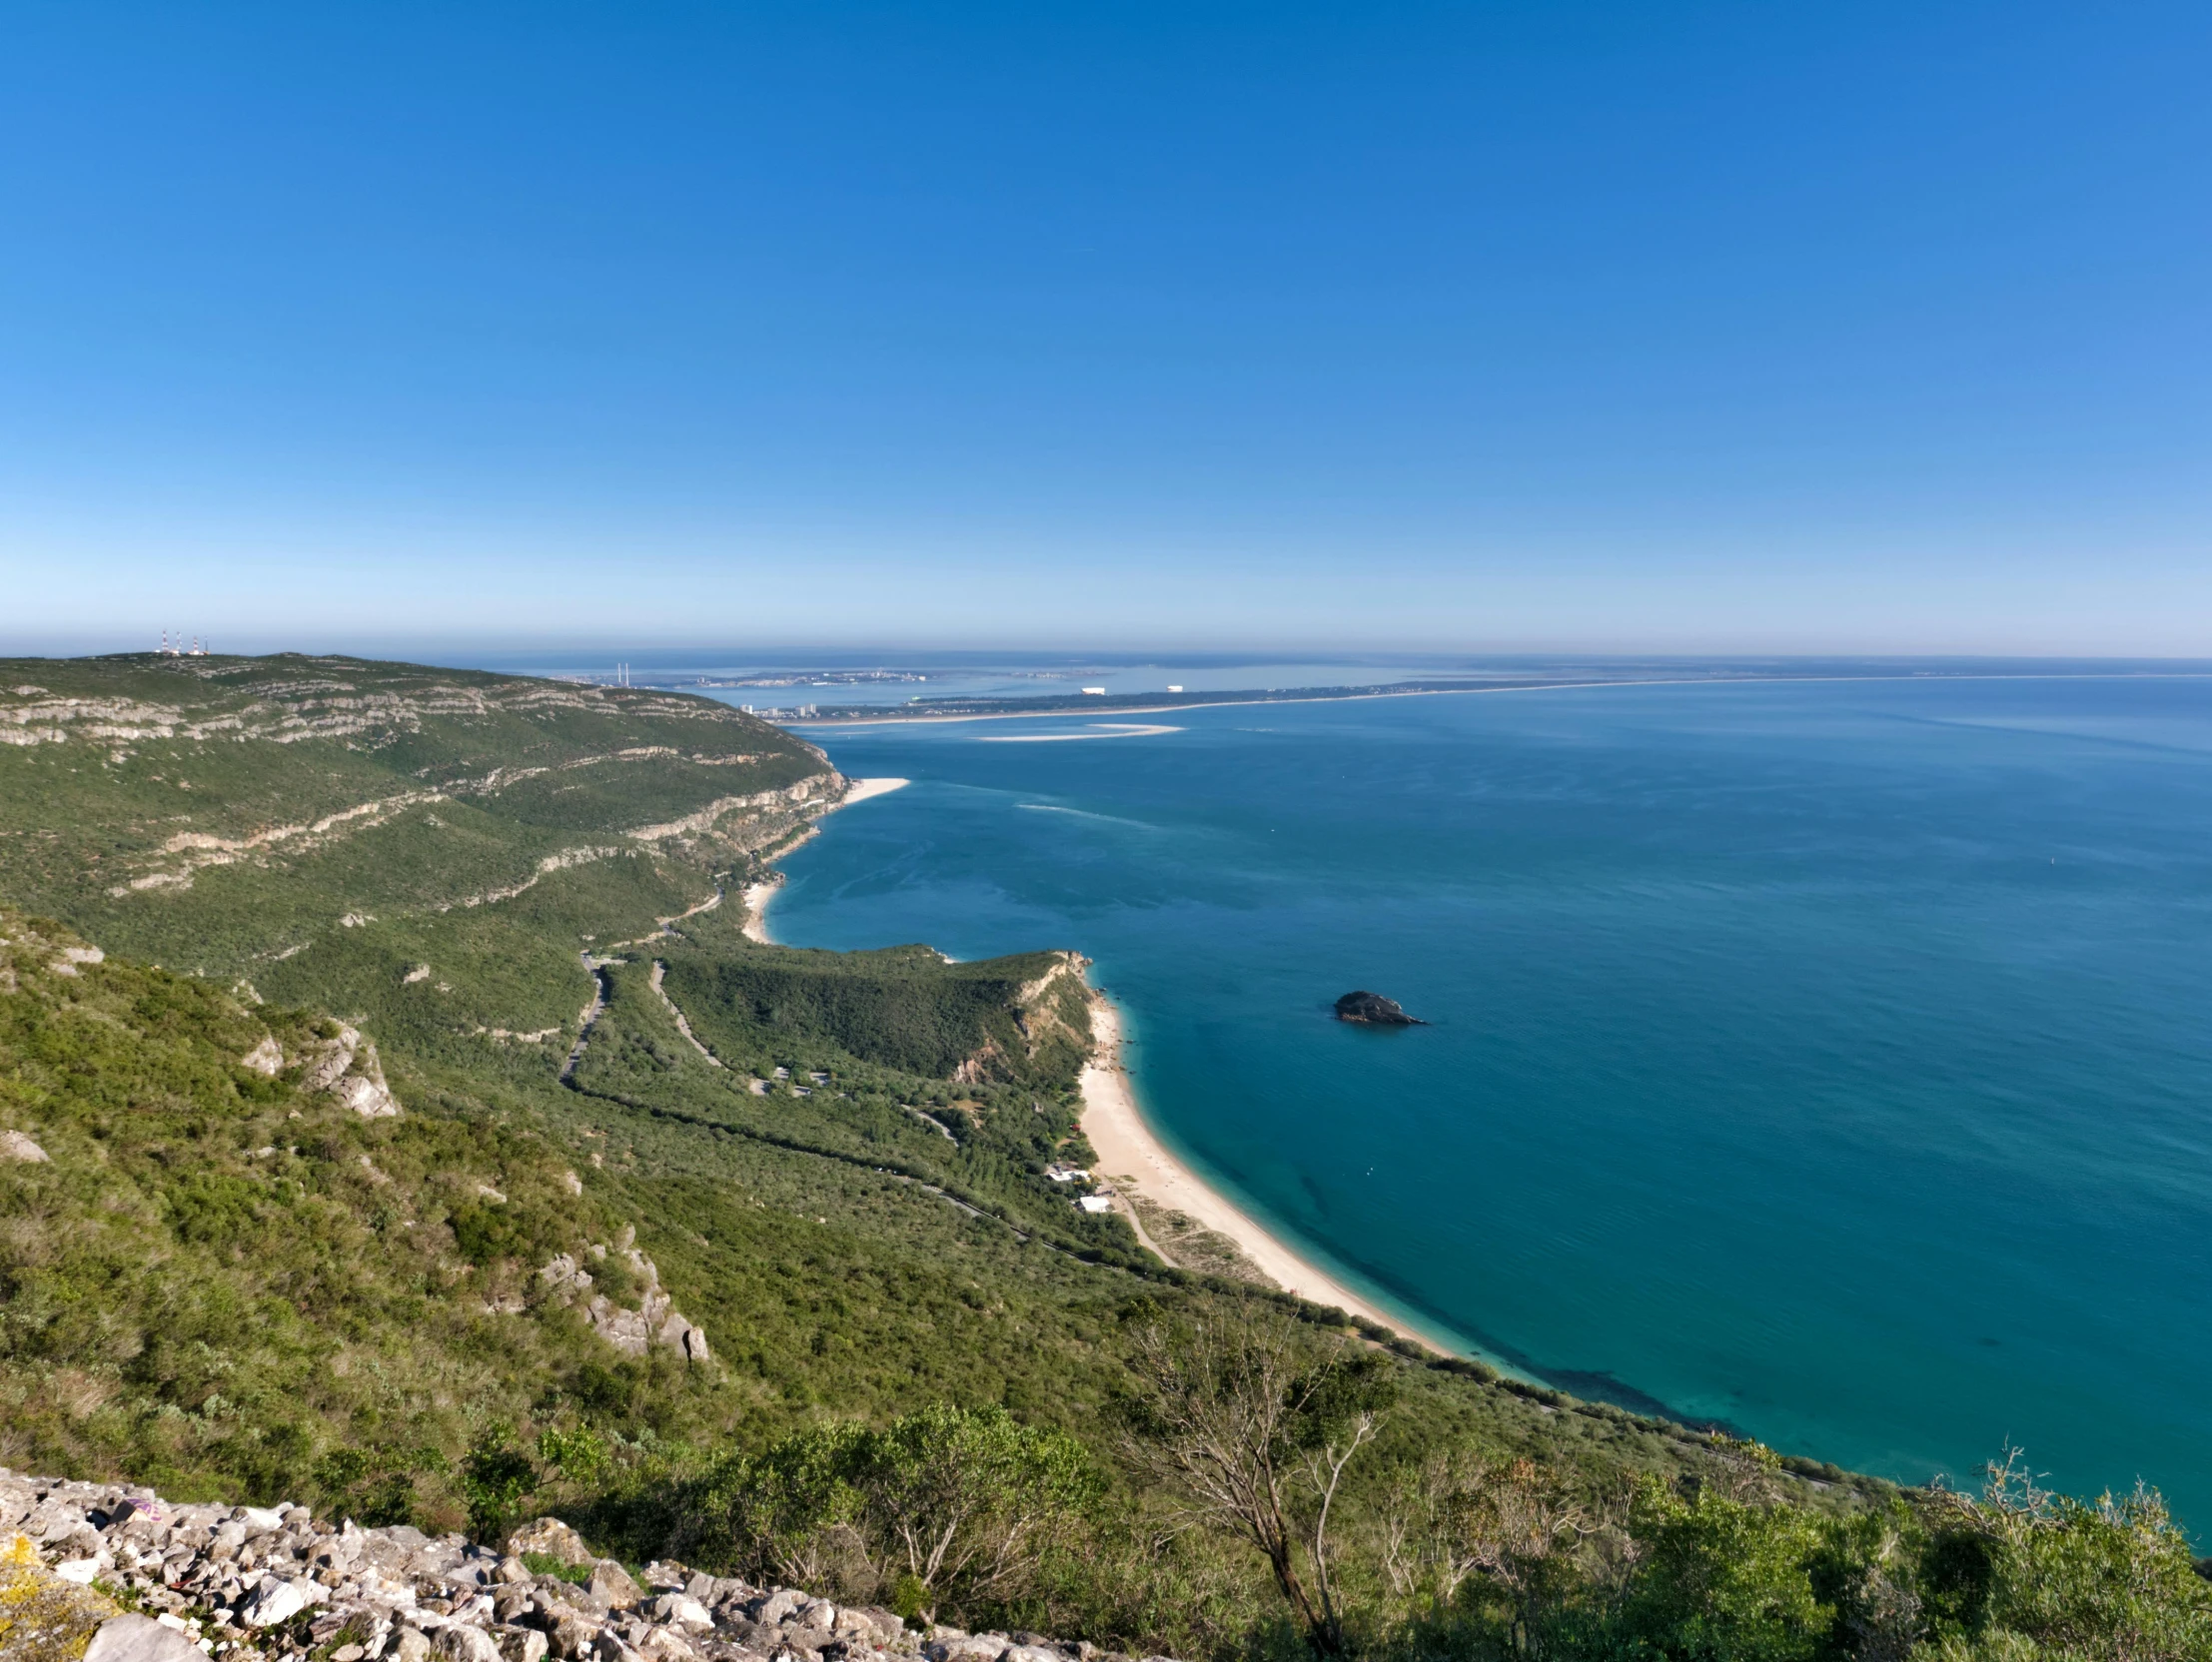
(545, 1563)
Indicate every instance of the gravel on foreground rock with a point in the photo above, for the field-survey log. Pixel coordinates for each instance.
(106, 1572)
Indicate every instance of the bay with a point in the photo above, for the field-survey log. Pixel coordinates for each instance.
(1832, 1061)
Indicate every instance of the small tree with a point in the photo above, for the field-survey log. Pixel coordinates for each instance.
(578, 1456)
(2109, 1578)
(1723, 1579)
(1254, 1420)
(965, 1502)
(943, 1503)
(1515, 1523)
(789, 1512)
(494, 1479)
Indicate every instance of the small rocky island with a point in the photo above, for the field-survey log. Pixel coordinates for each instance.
(1374, 1010)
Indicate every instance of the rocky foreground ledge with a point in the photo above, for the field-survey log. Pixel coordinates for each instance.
(110, 1573)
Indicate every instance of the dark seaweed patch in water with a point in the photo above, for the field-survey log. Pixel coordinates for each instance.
(1603, 1388)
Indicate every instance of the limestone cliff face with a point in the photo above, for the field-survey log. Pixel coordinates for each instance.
(771, 808)
(1053, 1007)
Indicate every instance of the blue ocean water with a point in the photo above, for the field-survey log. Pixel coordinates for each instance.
(1831, 1060)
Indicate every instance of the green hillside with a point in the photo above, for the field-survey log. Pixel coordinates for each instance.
(1011, 1020)
(466, 1157)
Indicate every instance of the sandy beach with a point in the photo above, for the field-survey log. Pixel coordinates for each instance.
(758, 895)
(862, 789)
(1130, 1156)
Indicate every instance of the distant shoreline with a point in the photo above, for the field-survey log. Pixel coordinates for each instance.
(758, 895)
(1131, 1156)
(890, 717)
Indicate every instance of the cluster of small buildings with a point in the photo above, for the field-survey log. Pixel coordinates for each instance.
(1100, 1201)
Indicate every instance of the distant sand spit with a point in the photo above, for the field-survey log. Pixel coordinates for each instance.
(1100, 730)
(862, 789)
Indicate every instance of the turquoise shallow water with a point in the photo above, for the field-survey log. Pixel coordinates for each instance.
(1829, 1060)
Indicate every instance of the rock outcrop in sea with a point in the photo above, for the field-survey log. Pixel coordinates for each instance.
(111, 1573)
(1375, 1010)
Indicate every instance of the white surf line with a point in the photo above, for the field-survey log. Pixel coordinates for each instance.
(1105, 730)
(1081, 813)
(683, 1027)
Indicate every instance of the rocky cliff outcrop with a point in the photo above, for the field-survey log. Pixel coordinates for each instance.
(655, 1321)
(1046, 1008)
(274, 1584)
(347, 1067)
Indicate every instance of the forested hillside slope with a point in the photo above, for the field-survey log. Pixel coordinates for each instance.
(395, 1117)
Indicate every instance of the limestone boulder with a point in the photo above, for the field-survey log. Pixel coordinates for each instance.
(135, 1638)
(550, 1538)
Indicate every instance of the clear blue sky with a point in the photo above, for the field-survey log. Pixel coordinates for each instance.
(1873, 326)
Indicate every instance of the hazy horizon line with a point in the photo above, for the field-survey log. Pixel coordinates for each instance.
(662, 655)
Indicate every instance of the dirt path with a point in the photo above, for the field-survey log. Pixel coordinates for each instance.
(929, 1121)
(1128, 1210)
(595, 967)
(683, 1027)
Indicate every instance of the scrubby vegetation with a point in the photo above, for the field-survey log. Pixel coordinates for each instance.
(1009, 1020)
(1239, 1428)
(934, 1383)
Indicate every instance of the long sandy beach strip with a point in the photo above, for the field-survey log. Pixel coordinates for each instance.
(1130, 1156)
(758, 895)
